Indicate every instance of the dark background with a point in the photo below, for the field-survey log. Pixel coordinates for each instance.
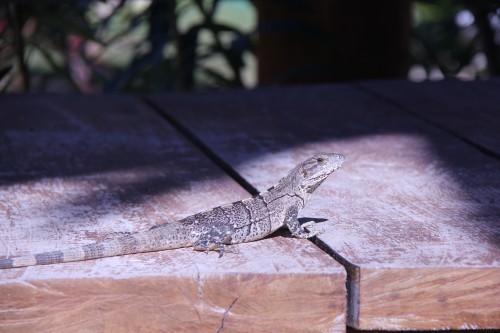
(153, 46)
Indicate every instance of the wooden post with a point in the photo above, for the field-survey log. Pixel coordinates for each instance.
(329, 40)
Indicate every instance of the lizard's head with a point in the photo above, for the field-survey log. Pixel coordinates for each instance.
(313, 171)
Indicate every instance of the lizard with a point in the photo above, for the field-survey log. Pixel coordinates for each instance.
(238, 222)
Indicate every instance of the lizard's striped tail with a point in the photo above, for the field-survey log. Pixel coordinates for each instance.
(147, 241)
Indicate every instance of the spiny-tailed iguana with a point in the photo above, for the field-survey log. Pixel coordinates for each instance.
(238, 222)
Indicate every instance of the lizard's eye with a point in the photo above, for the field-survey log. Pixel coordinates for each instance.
(320, 159)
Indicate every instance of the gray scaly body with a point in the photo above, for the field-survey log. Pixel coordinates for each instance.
(242, 221)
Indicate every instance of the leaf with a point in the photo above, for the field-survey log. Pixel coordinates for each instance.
(63, 72)
(77, 26)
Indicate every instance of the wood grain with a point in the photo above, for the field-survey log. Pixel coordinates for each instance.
(433, 295)
(411, 199)
(183, 291)
(469, 110)
(75, 169)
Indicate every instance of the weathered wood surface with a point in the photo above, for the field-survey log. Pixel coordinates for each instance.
(414, 213)
(470, 110)
(75, 169)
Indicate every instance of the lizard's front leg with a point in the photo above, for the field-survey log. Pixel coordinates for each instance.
(294, 226)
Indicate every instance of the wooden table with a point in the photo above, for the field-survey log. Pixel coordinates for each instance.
(412, 220)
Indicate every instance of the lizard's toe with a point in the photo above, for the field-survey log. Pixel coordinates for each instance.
(308, 224)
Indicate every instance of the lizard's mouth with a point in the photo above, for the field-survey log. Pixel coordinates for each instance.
(316, 182)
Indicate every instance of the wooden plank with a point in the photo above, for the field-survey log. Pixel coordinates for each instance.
(413, 214)
(470, 110)
(77, 168)
(494, 80)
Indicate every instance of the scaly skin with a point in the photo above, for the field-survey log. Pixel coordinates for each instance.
(242, 221)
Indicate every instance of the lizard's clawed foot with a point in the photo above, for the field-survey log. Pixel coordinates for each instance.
(207, 247)
(306, 234)
(221, 250)
(312, 225)
(214, 240)
(308, 224)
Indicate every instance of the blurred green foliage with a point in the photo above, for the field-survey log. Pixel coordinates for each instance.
(456, 38)
(147, 46)
(118, 45)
